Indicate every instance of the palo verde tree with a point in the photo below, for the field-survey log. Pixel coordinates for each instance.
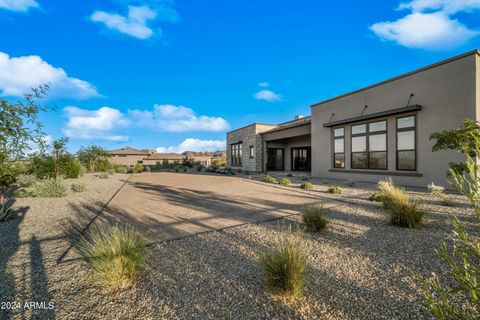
(89, 156)
(19, 129)
(462, 140)
(457, 295)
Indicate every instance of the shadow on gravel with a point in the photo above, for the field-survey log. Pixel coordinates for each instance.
(9, 244)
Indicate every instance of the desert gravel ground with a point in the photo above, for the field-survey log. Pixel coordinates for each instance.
(360, 268)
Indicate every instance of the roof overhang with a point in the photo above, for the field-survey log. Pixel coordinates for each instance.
(390, 112)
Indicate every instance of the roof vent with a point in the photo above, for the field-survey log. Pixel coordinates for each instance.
(298, 116)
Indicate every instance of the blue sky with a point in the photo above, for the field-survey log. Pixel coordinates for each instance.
(177, 74)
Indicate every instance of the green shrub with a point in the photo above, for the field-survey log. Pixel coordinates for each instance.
(138, 168)
(111, 171)
(270, 179)
(284, 264)
(6, 212)
(51, 188)
(314, 218)
(199, 168)
(121, 169)
(115, 254)
(307, 186)
(73, 169)
(78, 187)
(158, 166)
(104, 175)
(103, 165)
(334, 190)
(404, 211)
(285, 182)
(147, 169)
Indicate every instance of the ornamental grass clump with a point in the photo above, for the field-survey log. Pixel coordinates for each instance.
(404, 212)
(104, 175)
(435, 190)
(307, 186)
(6, 212)
(314, 218)
(51, 188)
(285, 182)
(78, 187)
(115, 254)
(270, 179)
(284, 264)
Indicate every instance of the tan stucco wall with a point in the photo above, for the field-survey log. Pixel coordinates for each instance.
(447, 93)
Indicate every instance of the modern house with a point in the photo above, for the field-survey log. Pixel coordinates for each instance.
(129, 156)
(375, 132)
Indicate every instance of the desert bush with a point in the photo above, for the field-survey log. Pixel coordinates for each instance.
(314, 218)
(111, 171)
(51, 188)
(435, 190)
(307, 186)
(284, 264)
(26, 180)
(103, 175)
(103, 165)
(6, 212)
(285, 182)
(78, 187)
(147, 169)
(177, 169)
(115, 254)
(218, 163)
(138, 168)
(270, 179)
(334, 190)
(121, 169)
(72, 169)
(289, 175)
(199, 168)
(404, 212)
(158, 166)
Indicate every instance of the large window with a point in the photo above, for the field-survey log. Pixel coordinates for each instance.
(369, 145)
(406, 150)
(251, 152)
(236, 154)
(339, 148)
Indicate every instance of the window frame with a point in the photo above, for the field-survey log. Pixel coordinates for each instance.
(367, 135)
(251, 152)
(333, 147)
(414, 129)
(236, 153)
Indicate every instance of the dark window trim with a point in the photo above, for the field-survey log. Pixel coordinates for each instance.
(333, 147)
(367, 134)
(414, 137)
(237, 160)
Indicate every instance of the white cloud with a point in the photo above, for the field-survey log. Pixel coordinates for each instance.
(263, 84)
(19, 74)
(193, 144)
(425, 30)
(177, 119)
(95, 124)
(430, 25)
(134, 24)
(268, 95)
(446, 6)
(18, 5)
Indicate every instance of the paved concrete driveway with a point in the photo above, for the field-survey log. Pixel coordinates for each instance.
(175, 205)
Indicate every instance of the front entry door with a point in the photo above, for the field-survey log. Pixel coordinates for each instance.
(275, 159)
(301, 159)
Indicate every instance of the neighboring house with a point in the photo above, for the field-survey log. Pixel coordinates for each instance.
(129, 156)
(379, 131)
(159, 158)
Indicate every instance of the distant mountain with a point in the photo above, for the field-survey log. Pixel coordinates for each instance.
(219, 153)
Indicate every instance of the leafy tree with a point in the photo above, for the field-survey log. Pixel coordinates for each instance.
(462, 299)
(19, 128)
(89, 156)
(187, 161)
(59, 153)
(462, 140)
(218, 163)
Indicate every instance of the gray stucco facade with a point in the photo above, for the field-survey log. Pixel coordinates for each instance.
(438, 97)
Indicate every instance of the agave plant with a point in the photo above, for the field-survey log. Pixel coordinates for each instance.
(6, 212)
